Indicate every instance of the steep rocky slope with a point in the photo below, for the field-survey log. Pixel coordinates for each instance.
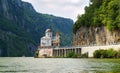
(100, 25)
(86, 36)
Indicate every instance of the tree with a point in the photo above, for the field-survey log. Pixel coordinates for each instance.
(100, 13)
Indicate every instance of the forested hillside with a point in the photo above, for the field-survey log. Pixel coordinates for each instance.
(21, 28)
(100, 13)
(100, 25)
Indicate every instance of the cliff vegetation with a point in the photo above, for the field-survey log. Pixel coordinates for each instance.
(100, 25)
(100, 13)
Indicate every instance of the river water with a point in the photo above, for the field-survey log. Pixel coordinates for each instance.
(58, 65)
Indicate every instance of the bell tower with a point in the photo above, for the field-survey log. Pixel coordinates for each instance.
(48, 33)
(57, 39)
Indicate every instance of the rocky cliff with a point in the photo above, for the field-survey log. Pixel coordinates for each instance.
(88, 36)
(100, 25)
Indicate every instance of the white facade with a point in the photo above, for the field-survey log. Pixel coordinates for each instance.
(46, 41)
(90, 49)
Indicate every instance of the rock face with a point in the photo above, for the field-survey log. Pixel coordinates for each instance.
(86, 36)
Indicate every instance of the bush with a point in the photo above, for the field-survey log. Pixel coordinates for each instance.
(36, 53)
(85, 55)
(100, 53)
(71, 55)
(110, 53)
(118, 54)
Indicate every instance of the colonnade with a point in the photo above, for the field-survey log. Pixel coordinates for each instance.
(62, 52)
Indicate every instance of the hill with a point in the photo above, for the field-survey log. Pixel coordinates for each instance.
(21, 28)
(100, 25)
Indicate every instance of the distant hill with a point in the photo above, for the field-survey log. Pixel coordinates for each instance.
(21, 28)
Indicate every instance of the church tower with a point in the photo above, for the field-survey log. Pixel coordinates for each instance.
(48, 33)
(58, 39)
(46, 41)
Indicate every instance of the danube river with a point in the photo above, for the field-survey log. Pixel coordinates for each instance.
(58, 65)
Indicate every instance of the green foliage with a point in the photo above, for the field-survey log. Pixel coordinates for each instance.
(9, 26)
(14, 40)
(110, 53)
(36, 53)
(99, 13)
(97, 53)
(85, 55)
(71, 55)
(3, 47)
(118, 54)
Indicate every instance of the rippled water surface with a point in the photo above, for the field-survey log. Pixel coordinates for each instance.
(58, 65)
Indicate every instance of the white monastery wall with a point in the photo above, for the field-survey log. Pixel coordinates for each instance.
(91, 49)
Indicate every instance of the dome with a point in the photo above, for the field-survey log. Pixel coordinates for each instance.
(48, 30)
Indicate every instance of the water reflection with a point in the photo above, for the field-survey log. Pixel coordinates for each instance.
(58, 65)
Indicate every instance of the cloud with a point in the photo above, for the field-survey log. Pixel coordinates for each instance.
(63, 8)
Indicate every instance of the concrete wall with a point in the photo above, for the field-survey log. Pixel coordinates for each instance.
(78, 50)
(46, 51)
(91, 49)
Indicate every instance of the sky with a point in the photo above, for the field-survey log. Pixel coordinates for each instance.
(62, 8)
